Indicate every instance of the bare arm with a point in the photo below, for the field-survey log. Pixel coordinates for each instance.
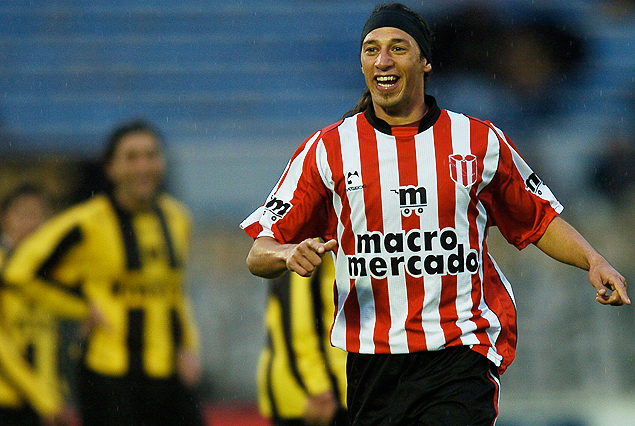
(268, 258)
(564, 243)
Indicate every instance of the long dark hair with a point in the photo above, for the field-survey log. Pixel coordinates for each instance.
(134, 126)
(361, 105)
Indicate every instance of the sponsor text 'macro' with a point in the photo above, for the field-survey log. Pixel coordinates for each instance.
(415, 252)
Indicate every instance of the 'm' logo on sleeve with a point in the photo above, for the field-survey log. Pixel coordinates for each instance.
(533, 183)
(277, 208)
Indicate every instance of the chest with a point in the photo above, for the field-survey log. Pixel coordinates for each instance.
(394, 179)
(113, 247)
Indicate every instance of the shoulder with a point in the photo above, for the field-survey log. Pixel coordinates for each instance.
(71, 225)
(479, 122)
(478, 128)
(333, 127)
(456, 115)
(170, 205)
(484, 123)
(308, 147)
(85, 210)
(336, 131)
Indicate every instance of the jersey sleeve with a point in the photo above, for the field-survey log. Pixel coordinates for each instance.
(183, 320)
(184, 317)
(517, 200)
(45, 400)
(30, 265)
(305, 339)
(297, 207)
(183, 306)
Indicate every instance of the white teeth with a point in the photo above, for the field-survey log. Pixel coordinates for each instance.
(386, 78)
(386, 81)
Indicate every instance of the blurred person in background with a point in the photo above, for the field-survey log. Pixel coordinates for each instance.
(534, 64)
(30, 388)
(301, 377)
(401, 193)
(612, 173)
(123, 253)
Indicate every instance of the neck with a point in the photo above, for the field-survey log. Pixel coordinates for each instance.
(7, 241)
(400, 118)
(131, 204)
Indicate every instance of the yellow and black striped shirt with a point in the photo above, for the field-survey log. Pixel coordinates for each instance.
(28, 353)
(298, 359)
(130, 266)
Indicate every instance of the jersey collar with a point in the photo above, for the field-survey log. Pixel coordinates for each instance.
(427, 121)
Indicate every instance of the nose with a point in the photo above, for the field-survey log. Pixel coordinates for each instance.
(384, 59)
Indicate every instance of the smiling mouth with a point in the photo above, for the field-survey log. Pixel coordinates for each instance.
(386, 81)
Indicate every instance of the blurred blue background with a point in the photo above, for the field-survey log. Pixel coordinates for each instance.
(236, 86)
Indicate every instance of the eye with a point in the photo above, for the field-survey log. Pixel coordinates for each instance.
(370, 50)
(132, 156)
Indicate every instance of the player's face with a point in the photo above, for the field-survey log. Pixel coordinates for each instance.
(394, 71)
(136, 169)
(25, 214)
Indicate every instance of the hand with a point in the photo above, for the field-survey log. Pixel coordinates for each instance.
(305, 257)
(609, 284)
(188, 365)
(564, 243)
(319, 410)
(48, 421)
(67, 416)
(96, 319)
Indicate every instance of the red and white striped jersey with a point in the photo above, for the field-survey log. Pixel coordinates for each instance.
(411, 212)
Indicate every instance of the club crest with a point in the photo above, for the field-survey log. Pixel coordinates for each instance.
(463, 169)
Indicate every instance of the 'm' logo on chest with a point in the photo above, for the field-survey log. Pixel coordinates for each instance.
(411, 199)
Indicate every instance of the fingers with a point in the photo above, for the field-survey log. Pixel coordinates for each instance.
(329, 246)
(613, 293)
(302, 265)
(621, 289)
(189, 368)
(307, 256)
(613, 299)
(609, 284)
(319, 410)
(602, 298)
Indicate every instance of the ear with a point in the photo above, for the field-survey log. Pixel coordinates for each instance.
(427, 66)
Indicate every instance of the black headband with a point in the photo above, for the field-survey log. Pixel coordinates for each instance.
(403, 20)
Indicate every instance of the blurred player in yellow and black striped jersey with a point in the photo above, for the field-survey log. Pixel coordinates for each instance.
(30, 391)
(301, 377)
(122, 253)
